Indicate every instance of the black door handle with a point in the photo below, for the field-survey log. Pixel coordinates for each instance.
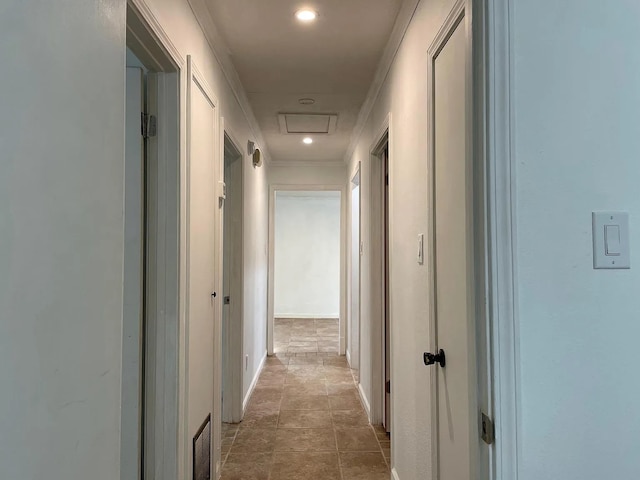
(430, 358)
(214, 294)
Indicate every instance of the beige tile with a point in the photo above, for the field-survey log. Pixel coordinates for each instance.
(259, 419)
(345, 402)
(356, 440)
(363, 466)
(305, 439)
(276, 361)
(305, 466)
(305, 389)
(302, 349)
(247, 466)
(342, 389)
(251, 440)
(349, 418)
(305, 361)
(305, 419)
(305, 402)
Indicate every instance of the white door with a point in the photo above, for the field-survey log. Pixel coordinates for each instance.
(202, 206)
(457, 435)
(131, 423)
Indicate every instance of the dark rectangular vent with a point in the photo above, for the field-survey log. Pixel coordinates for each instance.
(202, 451)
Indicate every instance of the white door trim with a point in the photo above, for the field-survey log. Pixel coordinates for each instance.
(234, 377)
(195, 78)
(502, 233)
(343, 257)
(460, 16)
(352, 184)
(164, 284)
(492, 65)
(382, 138)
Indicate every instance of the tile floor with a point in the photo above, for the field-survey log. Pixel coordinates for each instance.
(305, 420)
(306, 335)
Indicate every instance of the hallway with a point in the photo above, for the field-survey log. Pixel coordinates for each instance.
(305, 421)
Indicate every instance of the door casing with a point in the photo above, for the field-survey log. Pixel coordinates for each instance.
(147, 39)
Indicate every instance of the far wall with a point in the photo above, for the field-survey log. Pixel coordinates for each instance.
(307, 254)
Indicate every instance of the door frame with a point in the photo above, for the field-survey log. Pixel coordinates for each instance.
(491, 151)
(196, 79)
(164, 291)
(343, 256)
(352, 183)
(383, 137)
(233, 373)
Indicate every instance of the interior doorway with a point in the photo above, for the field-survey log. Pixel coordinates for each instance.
(353, 329)
(232, 285)
(307, 270)
(381, 322)
(151, 253)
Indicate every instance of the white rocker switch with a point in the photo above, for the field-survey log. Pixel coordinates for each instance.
(611, 240)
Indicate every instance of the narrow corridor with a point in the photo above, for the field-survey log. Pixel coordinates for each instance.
(305, 419)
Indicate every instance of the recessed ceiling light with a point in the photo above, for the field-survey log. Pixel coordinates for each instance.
(306, 101)
(306, 15)
(307, 140)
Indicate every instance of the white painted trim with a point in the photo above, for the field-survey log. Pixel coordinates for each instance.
(456, 15)
(306, 316)
(143, 11)
(405, 15)
(254, 382)
(235, 335)
(502, 231)
(376, 259)
(195, 78)
(348, 355)
(365, 401)
(343, 252)
(164, 284)
(220, 50)
(355, 172)
(394, 474)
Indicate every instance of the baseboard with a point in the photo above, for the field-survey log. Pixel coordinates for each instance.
(306, 315)
(365, 401)
(247, 397)
(394, 474)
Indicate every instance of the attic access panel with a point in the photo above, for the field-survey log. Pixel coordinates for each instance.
(307, 123)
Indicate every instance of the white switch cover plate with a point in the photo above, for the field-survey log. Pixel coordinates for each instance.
(611, 240)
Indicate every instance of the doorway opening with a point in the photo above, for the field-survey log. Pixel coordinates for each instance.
(232, 284)
(381, 324)
(353, 328)
(307, 271)
(151, 253)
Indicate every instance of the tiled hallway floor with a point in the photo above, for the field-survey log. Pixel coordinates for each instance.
(306, 335)
(305, 421)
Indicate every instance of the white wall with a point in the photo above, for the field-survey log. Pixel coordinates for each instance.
(61, 229)
(577, 149)
(61, 238)
(307, 254)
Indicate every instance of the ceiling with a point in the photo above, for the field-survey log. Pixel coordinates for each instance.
(280, 60)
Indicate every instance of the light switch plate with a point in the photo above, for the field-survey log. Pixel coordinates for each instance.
(420, 249)
(611, 240)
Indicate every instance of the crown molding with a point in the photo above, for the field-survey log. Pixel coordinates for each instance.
(405, 15)
(221, 51)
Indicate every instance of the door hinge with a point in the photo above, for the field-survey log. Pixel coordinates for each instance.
(149, 125)
(387, 386)
(487, 429)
